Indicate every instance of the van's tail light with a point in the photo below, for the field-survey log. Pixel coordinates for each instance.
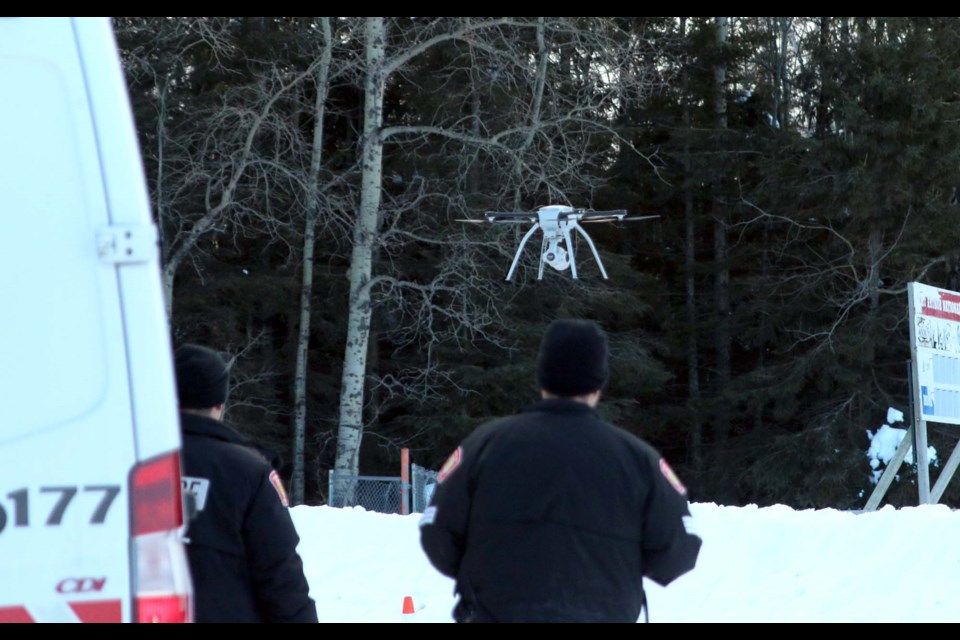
(162, 587)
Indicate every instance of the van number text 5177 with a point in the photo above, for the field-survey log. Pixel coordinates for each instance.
(17, 512)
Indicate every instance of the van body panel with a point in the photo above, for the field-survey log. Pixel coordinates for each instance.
(52, 199)
(128, 206)
(86, 377)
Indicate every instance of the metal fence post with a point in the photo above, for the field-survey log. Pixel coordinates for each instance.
(404, 481)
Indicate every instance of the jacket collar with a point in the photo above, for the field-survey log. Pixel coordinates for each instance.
(560, 405)
(192, 424)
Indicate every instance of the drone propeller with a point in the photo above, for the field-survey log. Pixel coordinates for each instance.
(507, 217)
(586, 213)
(618, 219)
(510, 216)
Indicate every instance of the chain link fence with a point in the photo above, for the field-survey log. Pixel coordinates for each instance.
(374, 493)
(383, 494)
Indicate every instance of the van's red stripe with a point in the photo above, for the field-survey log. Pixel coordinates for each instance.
(98, 611)
(14, 614)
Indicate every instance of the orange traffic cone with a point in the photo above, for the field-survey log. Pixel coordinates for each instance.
(408, 609)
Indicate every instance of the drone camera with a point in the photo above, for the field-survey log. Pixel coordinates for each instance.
(557, 257)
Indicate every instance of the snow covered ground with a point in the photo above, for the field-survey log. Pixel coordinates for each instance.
(771, 564)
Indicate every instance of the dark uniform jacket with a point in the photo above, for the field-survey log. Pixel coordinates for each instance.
(242, 540)
(553, 515)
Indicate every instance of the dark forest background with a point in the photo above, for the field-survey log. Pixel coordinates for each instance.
(308, 176)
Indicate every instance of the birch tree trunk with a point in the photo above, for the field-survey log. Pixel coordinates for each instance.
(350, 431)
(306, 285)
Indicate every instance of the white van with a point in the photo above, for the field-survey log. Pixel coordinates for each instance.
(91, 519)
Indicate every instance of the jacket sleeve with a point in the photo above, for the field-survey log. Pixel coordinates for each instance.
(443, 524)
(276, 568)
(671, 543)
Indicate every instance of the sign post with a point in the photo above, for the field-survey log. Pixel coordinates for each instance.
(935, 346)
(934, 316)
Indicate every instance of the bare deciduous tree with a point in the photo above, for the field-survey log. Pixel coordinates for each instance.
(532, 127)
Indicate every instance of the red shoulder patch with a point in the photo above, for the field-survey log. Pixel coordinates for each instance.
(672, 477)
(450, 465)
(278, 485)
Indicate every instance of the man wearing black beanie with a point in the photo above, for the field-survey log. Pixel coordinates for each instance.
(242, 543)
(573, 359)
(554, 515)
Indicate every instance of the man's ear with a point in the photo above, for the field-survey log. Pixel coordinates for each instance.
(594, 398)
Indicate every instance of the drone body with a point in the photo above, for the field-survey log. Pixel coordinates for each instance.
(556, 222)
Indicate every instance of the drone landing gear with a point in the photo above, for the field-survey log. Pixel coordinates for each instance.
(516, 257)
(553, 253)
(593, 249)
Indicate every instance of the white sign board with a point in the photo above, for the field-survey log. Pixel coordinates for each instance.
(935, 347)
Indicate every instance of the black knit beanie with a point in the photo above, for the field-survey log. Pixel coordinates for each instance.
(573, 358)
(202, 377)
